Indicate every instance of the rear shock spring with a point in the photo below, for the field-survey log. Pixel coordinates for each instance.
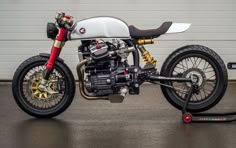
(146, 55)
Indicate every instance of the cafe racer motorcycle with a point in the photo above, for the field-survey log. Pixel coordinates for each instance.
(44, 86)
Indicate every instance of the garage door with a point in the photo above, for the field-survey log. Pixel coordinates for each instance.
(23, 25)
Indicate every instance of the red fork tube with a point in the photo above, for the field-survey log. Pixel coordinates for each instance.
(56, 49)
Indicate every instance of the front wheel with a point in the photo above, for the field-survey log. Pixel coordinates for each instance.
(211, 75)
(38, 103)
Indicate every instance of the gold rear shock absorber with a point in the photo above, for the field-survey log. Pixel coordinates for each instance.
(145, 54)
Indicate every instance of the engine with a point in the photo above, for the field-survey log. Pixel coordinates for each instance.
(108, 71)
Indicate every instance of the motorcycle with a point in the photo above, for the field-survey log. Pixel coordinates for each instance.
(43, 85)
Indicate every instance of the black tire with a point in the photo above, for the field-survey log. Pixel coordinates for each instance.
(207, 55)
(20, 97)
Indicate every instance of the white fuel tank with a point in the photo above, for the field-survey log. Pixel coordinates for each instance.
(99, 27)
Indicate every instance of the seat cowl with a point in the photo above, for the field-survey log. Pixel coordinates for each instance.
(178, 27)
(151, 33)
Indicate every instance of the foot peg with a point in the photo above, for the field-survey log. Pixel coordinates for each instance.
(116, 98)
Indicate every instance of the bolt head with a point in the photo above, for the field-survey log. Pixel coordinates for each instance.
(108, 81)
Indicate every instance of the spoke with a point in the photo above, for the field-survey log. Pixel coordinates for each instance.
(208, 90)
(180, 68)
(182, 64)
(204, 93)
(191, 61)
(199, 62)
(195, 97)
(182, 92)
(205, 68)
(211, 81)
(212, 85)
(201, 95)
(210, 77)
(195, 61)
(209, 71)
(186, 63)
(204, 64)
(178, 85)
(192, 98)
(179, 88)
(175, 72)
(208, 67)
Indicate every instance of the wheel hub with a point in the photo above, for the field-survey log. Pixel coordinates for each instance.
(36, 91)
(197, 75)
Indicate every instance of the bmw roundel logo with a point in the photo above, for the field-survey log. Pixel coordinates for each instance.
(82, 30)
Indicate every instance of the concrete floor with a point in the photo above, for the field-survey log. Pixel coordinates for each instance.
(147, 120)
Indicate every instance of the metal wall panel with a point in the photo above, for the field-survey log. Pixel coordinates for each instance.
(23, 26)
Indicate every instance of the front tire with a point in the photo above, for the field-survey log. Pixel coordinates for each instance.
(211, 72)
(35, 102)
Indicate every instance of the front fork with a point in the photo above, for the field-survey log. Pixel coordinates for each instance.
(55, 52)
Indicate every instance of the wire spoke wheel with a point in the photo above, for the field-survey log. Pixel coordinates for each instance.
(42, 99)
(204, 72)
(208, 70)
(55, 99)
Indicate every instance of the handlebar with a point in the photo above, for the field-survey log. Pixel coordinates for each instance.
(64, 20)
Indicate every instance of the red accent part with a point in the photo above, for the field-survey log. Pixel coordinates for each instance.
(52, 58)
(55, 51)
(67, 16)
(125, 72)
(187, 118)
(97, 45)
(61, 34)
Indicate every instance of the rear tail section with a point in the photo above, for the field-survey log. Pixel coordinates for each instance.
(178, 27)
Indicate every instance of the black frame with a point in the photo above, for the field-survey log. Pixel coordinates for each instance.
(152, 77)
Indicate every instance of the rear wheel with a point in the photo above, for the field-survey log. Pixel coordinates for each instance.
(38, 103)
(210, 72)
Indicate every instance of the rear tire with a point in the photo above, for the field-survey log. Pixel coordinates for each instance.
(24, 95)
(189, 54)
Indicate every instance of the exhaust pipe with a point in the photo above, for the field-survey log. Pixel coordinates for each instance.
(81, 84)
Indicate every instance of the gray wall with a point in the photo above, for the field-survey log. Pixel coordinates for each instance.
(23, 24)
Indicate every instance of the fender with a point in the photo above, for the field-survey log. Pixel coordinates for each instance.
(48, 55)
